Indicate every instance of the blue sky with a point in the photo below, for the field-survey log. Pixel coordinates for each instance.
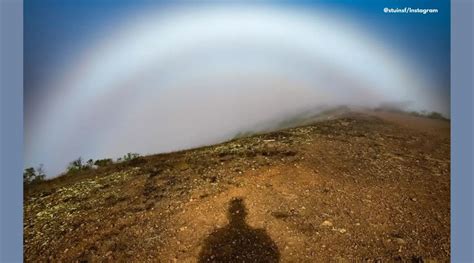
(77, 66)
(56, 28)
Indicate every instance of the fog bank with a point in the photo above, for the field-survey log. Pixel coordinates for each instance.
(182, 78)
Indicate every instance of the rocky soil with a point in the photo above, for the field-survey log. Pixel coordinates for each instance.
(365, 187)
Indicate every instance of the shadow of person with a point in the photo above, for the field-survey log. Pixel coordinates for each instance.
(238, 242)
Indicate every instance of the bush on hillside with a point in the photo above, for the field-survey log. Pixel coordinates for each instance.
(32, 175)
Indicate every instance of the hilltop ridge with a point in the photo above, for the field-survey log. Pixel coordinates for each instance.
(357, 186)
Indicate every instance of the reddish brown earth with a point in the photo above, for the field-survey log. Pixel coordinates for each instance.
(371, 187)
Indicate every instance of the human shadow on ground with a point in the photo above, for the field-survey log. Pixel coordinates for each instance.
(238, 242)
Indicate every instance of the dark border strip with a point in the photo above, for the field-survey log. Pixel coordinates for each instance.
(11, 130)
(462, 159)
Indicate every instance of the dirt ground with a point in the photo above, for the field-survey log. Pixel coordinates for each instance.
(365, 187)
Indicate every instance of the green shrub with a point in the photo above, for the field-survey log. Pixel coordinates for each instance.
(75, 166)
(130, 156)
(30, 175)
(103, 162)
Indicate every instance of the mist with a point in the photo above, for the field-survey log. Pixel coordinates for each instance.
(186, 77)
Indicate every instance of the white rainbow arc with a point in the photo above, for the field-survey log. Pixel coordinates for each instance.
(187, 77)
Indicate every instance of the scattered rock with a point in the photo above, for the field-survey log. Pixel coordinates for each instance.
(400, 241)
(326, 223)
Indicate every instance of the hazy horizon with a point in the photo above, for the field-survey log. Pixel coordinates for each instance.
(153, 79)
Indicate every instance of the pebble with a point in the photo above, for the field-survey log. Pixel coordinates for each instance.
(326, 223)
(400, 241)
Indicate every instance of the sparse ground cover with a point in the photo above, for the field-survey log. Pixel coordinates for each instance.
(372, 186)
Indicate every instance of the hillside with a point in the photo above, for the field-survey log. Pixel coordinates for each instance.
(364, 186)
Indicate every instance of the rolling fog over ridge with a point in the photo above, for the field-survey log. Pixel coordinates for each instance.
(190, 77)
